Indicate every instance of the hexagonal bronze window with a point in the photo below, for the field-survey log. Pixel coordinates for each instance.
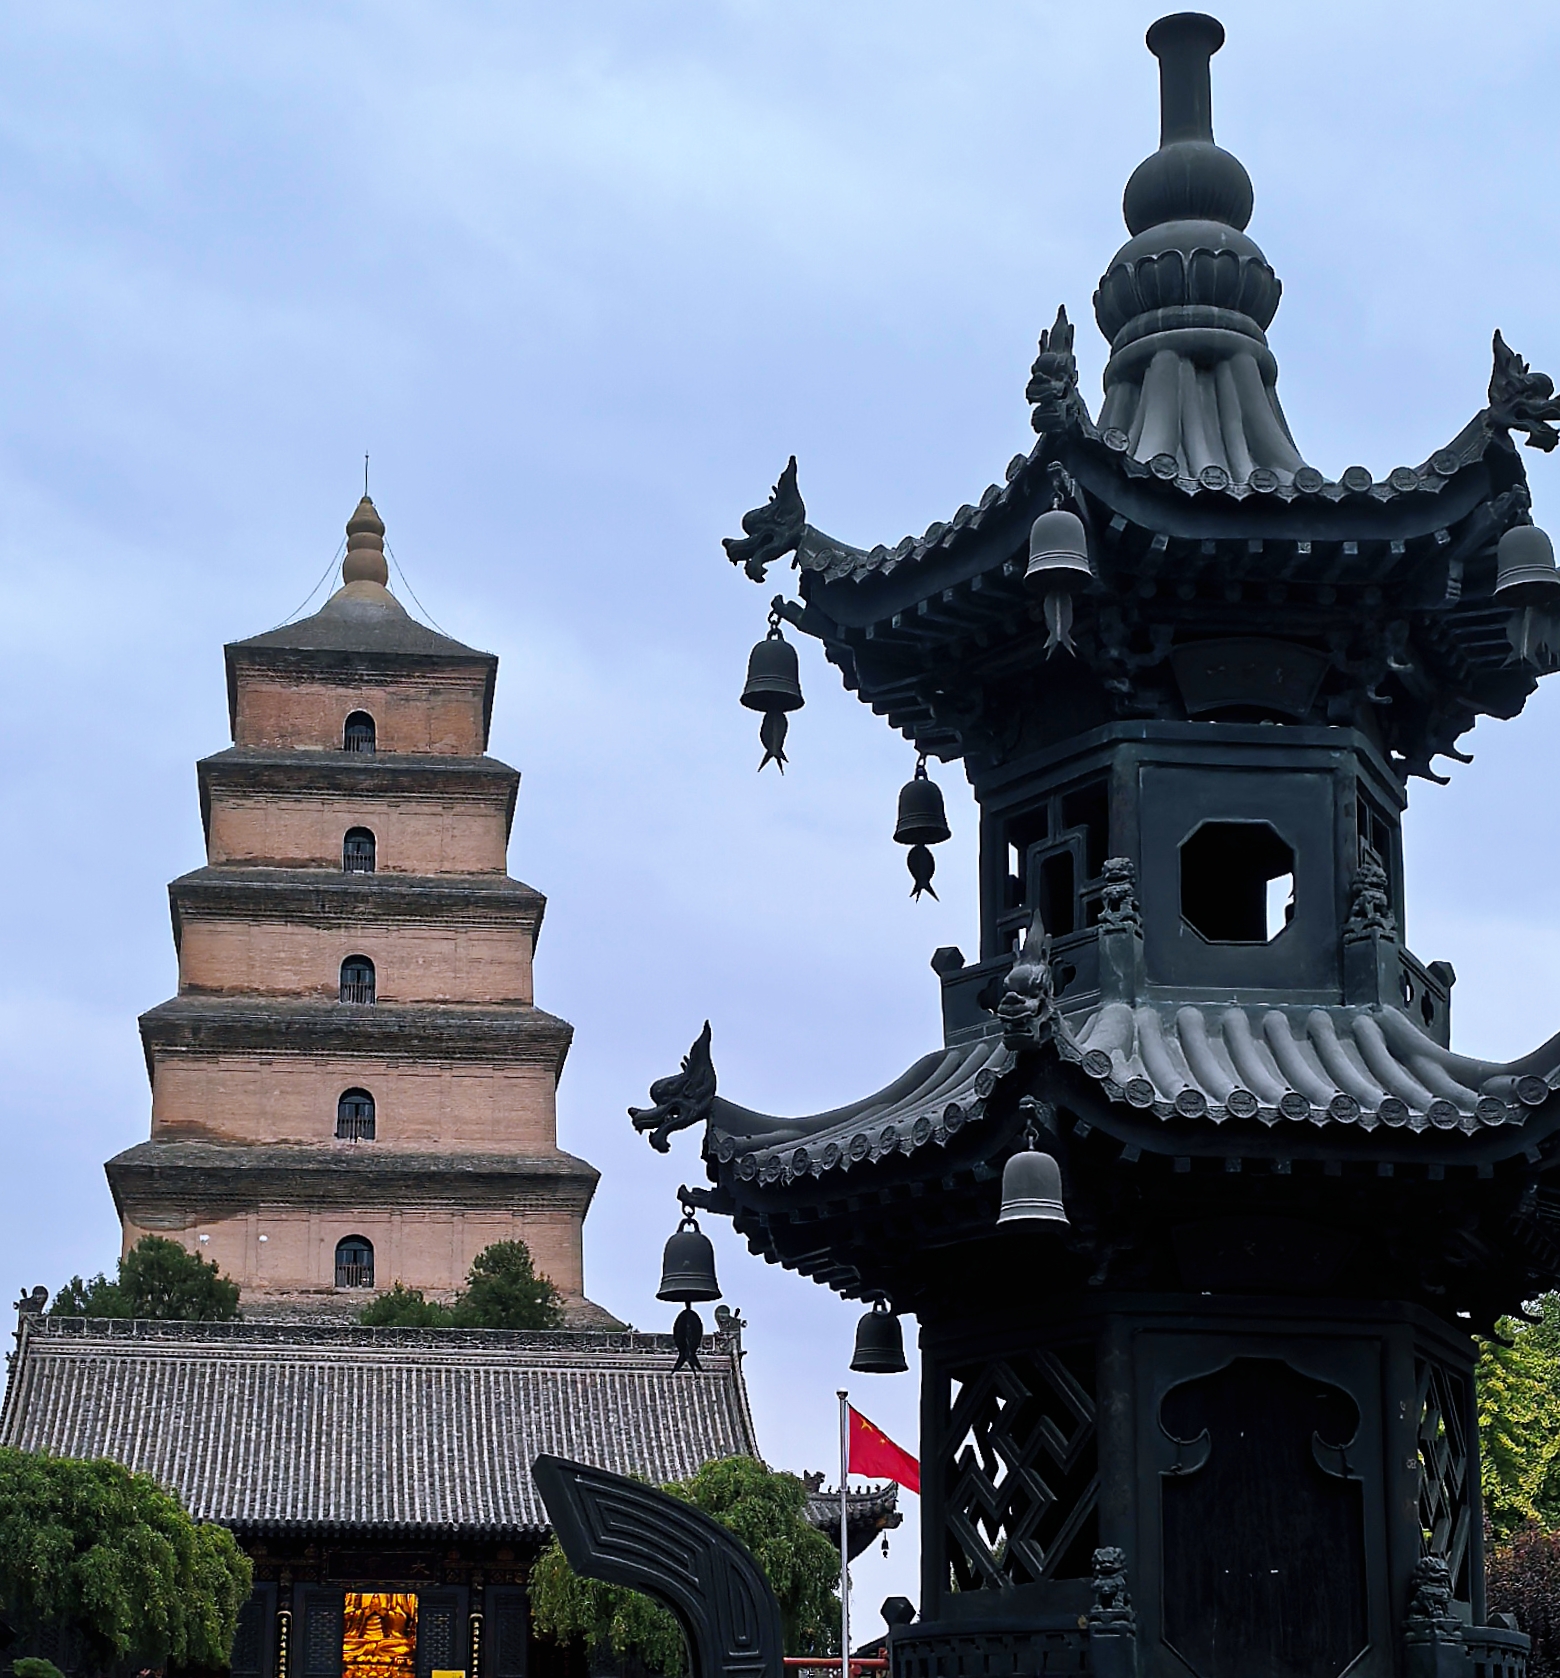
(1237, 882)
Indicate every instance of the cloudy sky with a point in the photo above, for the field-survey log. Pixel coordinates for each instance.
(581, 278)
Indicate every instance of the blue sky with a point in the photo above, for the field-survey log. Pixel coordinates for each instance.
(581, 279)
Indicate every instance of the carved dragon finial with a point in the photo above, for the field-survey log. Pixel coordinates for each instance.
(773, 530)
(685, 1098)
(1028, 1006)
(1522, 400)
(1053, 379)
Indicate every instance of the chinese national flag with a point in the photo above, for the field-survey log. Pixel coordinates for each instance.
(875, 1455)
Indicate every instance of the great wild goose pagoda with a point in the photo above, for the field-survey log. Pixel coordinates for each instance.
(1196, 1207)
(354, 1086)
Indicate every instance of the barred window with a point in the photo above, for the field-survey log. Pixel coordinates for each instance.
(354, 1262)
(358, 851)
(358, 735)
(355, 1116)
(357, 979)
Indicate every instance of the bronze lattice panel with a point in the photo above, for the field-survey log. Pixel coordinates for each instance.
(1444, 1468)
(1020, 1470)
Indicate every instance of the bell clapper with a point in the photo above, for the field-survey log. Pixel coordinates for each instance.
(922, 821)
(773, 687)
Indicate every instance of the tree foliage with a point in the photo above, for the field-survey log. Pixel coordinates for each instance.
(1519, 1422)
(502, 1291)
(766, 1510)
(1524, 1580)
(157, 1279)
(116, 1558)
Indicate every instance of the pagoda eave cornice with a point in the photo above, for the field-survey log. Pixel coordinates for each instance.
(429, 775)
(330, 897)
(210, 1025)
(223, 1178)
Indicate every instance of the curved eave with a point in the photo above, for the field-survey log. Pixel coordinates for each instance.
(836, 1202)
(860, 586)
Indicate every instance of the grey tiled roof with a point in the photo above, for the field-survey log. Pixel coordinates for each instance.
(931, 1102)
(1361, 1066)
(265, 1426)
(1347, 1065)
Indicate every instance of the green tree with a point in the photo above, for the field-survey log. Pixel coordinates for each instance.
(404, 1308)
(157, 1279)
(502, 1291)
(766, 1510)
(1519, 1421)
(116, 1558)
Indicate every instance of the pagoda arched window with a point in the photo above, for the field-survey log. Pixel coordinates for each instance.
(358, 851)
(355, 1116)
(358, 735)
(355, 1262)
(357, 979)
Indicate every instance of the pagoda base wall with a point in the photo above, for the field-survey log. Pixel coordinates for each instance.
(291, 1251)
(1270, 1470)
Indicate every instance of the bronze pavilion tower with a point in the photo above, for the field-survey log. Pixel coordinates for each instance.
(1219, 1418)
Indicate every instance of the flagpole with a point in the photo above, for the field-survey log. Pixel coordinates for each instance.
(844, 1536)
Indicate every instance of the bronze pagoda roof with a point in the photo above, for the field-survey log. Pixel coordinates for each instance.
(1254, 1068)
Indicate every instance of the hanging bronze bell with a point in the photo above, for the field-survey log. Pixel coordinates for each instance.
(1058, 568)
(922, 818)
(773, 687)
(1058, 552)
(880, 1342)
(773, 683)
(1032, 1187)
(922, 822)
(688, 1265)
(1525, 568)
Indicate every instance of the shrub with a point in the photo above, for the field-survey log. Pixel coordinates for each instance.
(157, 1279)
(1524, 1579)
(502, 1291)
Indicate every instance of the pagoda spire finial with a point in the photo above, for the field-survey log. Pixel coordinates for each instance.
(365, 561)
(1191, 384)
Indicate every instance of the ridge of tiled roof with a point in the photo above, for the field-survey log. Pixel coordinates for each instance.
(932, 1102)
(1363, 1066)
(266, 1426)
(834, 560)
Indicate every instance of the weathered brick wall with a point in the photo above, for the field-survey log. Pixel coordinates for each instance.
(421, 1105)
(440, 713)
(412, 835)
(412, 962)
(427, 1248)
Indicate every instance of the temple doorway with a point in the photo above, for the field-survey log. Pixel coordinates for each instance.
(379, 1634)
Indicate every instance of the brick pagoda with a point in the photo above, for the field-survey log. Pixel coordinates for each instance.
(353, 1086)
